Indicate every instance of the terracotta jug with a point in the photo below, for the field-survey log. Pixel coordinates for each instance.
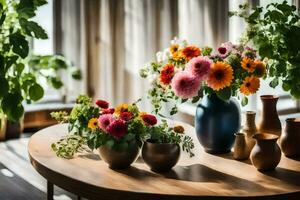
(270, 122)
(266, 153)
(241, 151)
(290, 139)
(249, 129)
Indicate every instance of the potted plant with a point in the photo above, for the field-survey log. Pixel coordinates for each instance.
(275, 31)
(19, 81)
(117, 133)
(185, 72)
(161, 151)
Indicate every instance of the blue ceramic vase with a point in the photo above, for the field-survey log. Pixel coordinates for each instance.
(216, 122)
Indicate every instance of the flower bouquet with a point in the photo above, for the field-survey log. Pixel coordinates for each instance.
(186, 72)
(118, 132)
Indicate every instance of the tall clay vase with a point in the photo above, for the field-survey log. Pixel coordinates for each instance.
(250, 129)
(290, 139)
(216, 122)
(266, 154)
(270, 122)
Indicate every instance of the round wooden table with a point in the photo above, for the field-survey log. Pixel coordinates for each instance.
(205, 176)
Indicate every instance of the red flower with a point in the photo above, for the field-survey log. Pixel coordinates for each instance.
(167, 74)
(102, 103)
(108, 111)
(117, 128)
(126, 116)
(149, 120)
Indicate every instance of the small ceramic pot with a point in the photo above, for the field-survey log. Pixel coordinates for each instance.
(241, 151)
(119, 158)
(266, 153)
(160, 157)
(290, 139)
(3, 122)
(270, 122)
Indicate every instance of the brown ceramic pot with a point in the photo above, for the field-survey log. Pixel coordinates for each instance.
(290, 139)
(160, 157)
(250, 129)
(3, 122)
(266, 153)
(119, 158)
(270, 122)
(241, 151)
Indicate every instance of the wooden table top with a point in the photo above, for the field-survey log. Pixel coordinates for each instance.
(205, 176)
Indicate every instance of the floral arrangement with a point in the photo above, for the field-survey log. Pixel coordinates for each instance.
(98, 125)
(185, 72)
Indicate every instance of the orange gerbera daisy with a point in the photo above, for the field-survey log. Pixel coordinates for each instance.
(248, 64)
(260, 68)
(220, 76)
(174, 48)
(250, 85)
(190, 52)
(167, 74)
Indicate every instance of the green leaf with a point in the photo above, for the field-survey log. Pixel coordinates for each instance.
(26, 9)
(4, 87)
(55, 82)
(286, 86)
(12, 107)
(20, 67)
(265, 50)
(224, 94)
(2, 18)
(20, 44)
(295, 92)
(36, 92)
(76, 74)
(274, 83)
(33, 29)
(244, 101)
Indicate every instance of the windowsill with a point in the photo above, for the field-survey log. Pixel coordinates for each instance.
(47, 106)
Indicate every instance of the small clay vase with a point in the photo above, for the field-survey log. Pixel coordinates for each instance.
(290, 139)
(120, 158)
(266, 154)
(241, 151)
(160, 157)
(3, 123)
(270, 122)
(250, 129)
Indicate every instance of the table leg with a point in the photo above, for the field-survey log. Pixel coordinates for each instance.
(49, 190)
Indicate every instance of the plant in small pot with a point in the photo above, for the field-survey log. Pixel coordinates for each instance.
(187, 73)
(161, 151)
(117, 132)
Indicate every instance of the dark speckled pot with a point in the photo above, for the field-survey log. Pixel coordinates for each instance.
(216, 122)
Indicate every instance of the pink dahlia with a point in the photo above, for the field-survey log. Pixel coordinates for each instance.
(199, 67)
(185, 85)
(105, 120)
(117, 128)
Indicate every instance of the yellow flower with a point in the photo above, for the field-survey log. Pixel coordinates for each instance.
(174, 48)
(220, 76)
(121, 108)
(250, 85)
(248, 64)
(178, 56)
(93, 123)
(260, 68)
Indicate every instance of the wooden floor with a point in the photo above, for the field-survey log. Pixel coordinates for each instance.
(18, 179)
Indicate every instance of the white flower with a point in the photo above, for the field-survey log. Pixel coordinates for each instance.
(180, 42)
(159, 56)
(152, 79)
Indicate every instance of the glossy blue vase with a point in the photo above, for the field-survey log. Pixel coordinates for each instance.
(216, 122)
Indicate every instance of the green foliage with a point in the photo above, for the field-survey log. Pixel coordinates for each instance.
(275, 32)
